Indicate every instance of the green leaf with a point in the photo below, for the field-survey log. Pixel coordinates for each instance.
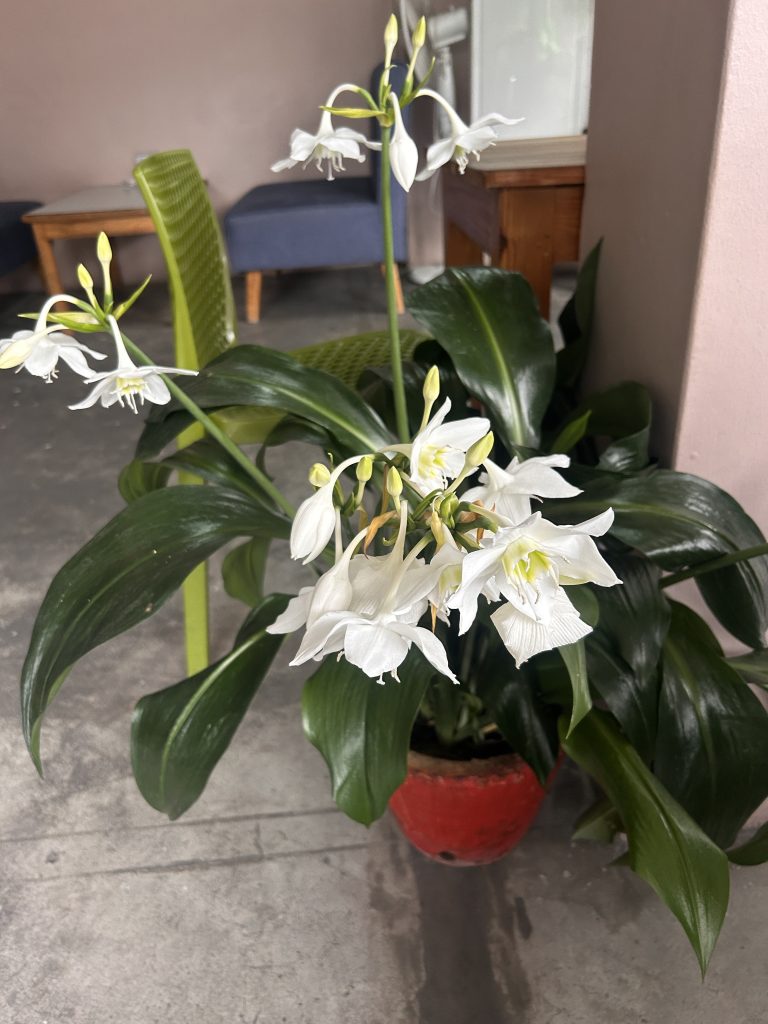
(666, 847)
(576, 322)
(712, 746)
(753, 666)
(678, 520)
(575, 660)
(524, 720)
(179, 734)
(623, 654)
(754, 851)
(489, 323)
(123, 307)
(243, 570)
(571, 434)
(256, 376)
(124, 574)
(209, 461)
(363, 730)
(601, 823)
(139, 478)
(623, 413)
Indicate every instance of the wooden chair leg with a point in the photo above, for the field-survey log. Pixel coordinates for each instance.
(253, 296)
(398, 289)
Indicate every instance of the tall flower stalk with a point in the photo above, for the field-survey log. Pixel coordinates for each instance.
(398, 386)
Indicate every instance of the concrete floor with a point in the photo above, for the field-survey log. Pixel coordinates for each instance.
(264, 904)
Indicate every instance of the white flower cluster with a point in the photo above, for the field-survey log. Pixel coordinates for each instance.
(332, 145)
(486, 543)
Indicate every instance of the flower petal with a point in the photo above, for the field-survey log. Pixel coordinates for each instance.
(525, 637)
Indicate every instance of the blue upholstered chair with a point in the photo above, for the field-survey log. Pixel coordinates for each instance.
(17, 244)
(291, 225)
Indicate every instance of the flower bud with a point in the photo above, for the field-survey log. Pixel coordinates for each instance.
(448, 508)
(431, 389)
(394, 482)
(103, 248)
(364, 469)
(419, 36)
(319, 475)
(480, 451)
(390, 35)
(85, 279)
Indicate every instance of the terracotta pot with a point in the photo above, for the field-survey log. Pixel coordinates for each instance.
(466, 812)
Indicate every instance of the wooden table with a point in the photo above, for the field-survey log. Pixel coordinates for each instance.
(525, 219)
(116, 209)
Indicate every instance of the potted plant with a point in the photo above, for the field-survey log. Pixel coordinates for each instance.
(492, 557)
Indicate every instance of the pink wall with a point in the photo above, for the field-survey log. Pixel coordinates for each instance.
(723, 419)
(655, 93)
(86, 85)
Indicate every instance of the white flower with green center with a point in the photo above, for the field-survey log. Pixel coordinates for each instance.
(328, 145)
(383, 599)
(509, 491)
(464, 140)
(437, 453)
(128, 382)
(529, 565)
(315, 518)
(38, 351)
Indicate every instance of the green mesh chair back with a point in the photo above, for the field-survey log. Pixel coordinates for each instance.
(205, 322)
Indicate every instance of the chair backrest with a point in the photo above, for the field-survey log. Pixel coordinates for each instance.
(399, 196)
(205, 322)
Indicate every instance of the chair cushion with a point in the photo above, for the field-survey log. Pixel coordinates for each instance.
(312, 223)
(17, 243)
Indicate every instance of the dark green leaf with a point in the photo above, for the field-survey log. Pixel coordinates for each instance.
(754, 851)
(666, 847)
(363, 730)
(575, 660)
(124, 574)
(576, 322)
(600, 824)
(139, 478)
(753, 666)
(623, 655)
(679, 520)
(524, 720)
(179, 734)
(623, 414)
(571, 433)
(243, 570)
(256, 376)
(488, 322)
(207, 460)
(586, 604)
(712, 745)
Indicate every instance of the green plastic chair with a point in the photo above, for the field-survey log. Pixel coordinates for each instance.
(204, 322)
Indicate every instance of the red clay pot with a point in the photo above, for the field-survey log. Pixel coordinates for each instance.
(466, 812)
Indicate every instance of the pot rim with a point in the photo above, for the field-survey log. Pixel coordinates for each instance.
(476, 767)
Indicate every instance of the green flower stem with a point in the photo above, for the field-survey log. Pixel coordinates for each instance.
(216, 432)
(715, 563)
(401, 416)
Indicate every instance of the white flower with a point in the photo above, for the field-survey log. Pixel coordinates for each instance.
(529, 565)
(510, 490)
(330, 144)
(438, 451)
(127, 381)
(447, 562)
(315, 518)
(366, 609)
(464, 140)
(39, 351)
(403, 154)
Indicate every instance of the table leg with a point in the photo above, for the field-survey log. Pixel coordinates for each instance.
(460, 249)
(528, 228)
(48, 268)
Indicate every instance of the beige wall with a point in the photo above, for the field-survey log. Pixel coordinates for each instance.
(655, 93)
(723, 419)
(87, 84)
